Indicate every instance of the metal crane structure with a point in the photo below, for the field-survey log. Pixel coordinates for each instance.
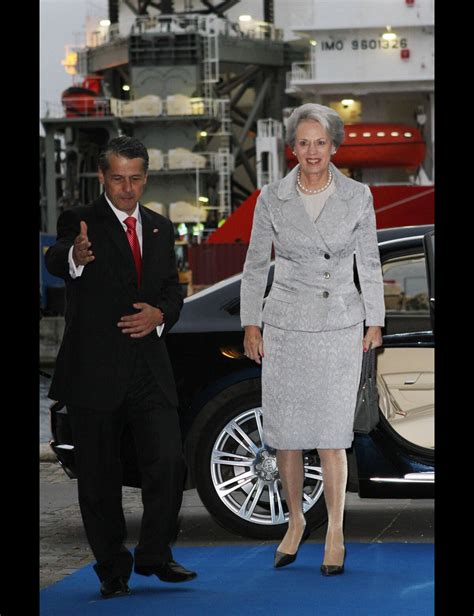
(197, 85)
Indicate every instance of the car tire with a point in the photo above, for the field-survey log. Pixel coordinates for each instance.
(227, 424)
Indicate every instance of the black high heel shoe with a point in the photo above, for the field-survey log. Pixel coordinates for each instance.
(282, 559)
(334, 569)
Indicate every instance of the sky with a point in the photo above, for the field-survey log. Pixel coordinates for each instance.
(62, 22)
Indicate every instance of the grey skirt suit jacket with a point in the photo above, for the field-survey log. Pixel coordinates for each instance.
(314, 313)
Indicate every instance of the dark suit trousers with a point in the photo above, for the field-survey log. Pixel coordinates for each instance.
(97, 437)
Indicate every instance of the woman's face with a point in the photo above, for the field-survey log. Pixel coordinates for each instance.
(313, 147)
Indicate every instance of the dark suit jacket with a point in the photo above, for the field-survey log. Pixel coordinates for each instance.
(95, 358)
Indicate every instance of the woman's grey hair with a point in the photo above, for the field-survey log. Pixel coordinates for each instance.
(329, 119)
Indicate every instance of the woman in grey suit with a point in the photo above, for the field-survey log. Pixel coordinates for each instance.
(313, 339)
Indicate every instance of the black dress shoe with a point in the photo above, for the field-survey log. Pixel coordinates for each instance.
(169, 572)
(282, 559)
(116, 587)
(334, 569)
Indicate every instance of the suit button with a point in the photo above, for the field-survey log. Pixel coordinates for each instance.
(327, 275)
(326, 256)
(326, 294)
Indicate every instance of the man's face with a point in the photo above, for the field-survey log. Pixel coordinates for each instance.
(124, 181)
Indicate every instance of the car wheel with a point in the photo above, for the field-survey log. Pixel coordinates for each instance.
(236, 473)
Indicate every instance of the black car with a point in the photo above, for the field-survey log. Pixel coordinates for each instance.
(219, 391)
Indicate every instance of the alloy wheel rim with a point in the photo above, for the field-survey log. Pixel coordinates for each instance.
(245, 473)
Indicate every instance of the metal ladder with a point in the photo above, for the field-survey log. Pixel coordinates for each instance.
(224, 165)
(208, 29)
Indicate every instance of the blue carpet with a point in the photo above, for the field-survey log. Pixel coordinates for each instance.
(386, 579)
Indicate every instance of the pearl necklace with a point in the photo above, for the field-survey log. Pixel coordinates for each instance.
(317, 190)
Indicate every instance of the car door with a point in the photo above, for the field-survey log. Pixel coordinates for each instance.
(398, 456)
(428, 241)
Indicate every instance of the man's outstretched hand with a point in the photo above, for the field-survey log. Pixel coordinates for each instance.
(81, 253)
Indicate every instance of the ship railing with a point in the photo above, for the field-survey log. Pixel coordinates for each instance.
(195, 106)
(302, 71)
(105, 106)
(185, 160)
(77, 106)
(108, 34)
(204, 24)
(268, 127)
(82, 106)
(51, 110)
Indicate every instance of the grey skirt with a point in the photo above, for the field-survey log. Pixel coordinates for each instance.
(309, 387)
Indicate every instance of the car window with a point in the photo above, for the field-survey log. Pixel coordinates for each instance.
(406, 294)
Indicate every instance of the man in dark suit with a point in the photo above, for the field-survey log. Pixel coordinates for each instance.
(113, 369)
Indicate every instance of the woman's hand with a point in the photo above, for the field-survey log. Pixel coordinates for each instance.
(253, 343)
(373, 335)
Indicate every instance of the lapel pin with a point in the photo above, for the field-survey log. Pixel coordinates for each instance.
(155, 230)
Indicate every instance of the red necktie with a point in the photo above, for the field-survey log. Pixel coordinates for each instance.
(134, 244)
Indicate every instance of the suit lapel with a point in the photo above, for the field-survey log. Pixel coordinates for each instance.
(332, 215)
(153, 236)
(291, 206)
(295, 212)
(116, 234)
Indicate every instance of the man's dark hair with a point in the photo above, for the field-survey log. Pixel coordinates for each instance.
(128, 147)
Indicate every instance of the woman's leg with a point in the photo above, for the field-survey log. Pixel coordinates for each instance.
(290, 467)
(334, 469)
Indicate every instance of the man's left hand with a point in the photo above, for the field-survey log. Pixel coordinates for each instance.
(142, 323)
(373, 336)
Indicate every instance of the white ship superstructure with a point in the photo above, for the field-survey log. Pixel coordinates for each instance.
(373, 60)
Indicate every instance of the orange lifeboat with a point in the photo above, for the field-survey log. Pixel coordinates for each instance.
(84, 99)
(376, 144)
(365, 145)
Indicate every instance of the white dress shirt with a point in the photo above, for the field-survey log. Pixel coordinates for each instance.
(76, 270)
